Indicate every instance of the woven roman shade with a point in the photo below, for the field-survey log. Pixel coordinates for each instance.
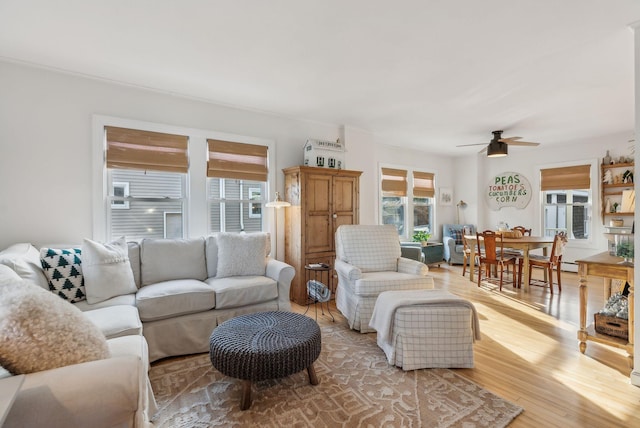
(423, 185)
(570, 177)
(146, 150)
(237, 160)
(394, 182)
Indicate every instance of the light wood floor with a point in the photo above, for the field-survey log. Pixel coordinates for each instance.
(529, 354)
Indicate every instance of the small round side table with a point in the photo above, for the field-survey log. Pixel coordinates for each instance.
(315, 273)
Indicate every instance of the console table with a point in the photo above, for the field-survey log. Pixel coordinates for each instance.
(609, 267)
(433, 253)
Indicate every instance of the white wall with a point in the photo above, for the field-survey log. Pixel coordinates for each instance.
(45, 158)
(46, 141)
(45, 144)
(478, 170)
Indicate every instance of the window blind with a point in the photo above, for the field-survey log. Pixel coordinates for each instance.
(564, 178)
(237, 160)
(423, 185)
(146, 150)
(394, 182)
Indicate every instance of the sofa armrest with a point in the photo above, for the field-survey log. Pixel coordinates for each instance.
(283, 274)
(413, 252)
(448, 247)
(412, 266)
(347, 271)
(102, 393)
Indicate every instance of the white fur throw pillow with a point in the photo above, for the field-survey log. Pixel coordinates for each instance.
(40, 331)
(106, 269)
(242, 254)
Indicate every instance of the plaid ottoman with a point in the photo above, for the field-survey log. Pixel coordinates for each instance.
(438, 334)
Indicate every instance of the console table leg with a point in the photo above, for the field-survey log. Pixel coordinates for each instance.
(582, 333)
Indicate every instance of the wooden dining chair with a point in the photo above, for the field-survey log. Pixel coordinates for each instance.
(548, 263)
(493, 256)
(518, 253)
(466, 251)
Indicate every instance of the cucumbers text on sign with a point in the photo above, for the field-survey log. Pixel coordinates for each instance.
(508, 189)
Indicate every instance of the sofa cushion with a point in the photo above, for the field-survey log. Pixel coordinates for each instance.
(211, 252)
(63, 269)
(134, 261)
(373, 283)
(24, 259)
(172, 298)
(169, 259)
(8, 274)
(239, 291)
(116, 321)
(106, 269)
(242, 254)
(127, 299)
(39, 331)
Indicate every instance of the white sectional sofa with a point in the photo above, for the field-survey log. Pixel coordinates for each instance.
(184, 288)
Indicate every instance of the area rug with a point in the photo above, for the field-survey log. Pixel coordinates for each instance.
(358, 388)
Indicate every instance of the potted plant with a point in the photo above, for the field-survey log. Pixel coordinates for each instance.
(421, 236)
(625, 250)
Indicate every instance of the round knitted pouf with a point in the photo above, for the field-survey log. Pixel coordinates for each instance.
(265, 345)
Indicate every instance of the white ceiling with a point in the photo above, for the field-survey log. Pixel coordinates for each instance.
(429, 74)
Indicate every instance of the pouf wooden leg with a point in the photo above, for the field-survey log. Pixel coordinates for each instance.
(245, 401)
(313, 378)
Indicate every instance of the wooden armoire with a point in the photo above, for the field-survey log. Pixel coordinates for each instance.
(321, 200)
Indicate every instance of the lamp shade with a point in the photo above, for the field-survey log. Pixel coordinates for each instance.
(497, 149)
(277, 202)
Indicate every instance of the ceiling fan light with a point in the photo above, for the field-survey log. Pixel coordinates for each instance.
(497, 149)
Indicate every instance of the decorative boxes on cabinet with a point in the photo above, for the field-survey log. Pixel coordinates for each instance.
(321, 200)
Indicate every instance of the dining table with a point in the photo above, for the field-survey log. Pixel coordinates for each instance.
(525, 243)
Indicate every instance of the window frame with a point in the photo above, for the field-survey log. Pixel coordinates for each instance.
(593, 195)
(117, 204)
(195, 196)
(407, 201)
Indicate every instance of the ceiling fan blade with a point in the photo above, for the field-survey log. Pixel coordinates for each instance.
(483, 150)
(523, 143)
(477, 144)
(509, 139)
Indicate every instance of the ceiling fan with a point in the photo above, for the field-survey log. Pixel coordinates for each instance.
(498, 146)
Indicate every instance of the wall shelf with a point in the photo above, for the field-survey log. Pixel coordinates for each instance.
(613, 192)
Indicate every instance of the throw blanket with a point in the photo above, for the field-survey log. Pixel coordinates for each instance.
(388, 301)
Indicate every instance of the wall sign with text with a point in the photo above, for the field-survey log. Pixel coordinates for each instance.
(508, 189)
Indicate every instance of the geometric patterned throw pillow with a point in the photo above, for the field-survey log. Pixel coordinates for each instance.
(456, 234)
(63, 269)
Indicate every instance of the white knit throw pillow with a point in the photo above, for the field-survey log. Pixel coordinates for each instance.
(242, 254)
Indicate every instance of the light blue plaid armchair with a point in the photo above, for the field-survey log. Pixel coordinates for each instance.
(453, 251)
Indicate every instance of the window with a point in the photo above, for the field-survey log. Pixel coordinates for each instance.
(149, 170)
(237, 180)
(161, 172)
(255, 207)
(423, 198)
(394, 198)
(409, 208)
(120, 190)
(566, 201)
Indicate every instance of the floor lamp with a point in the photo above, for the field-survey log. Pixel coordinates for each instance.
(277, 203)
